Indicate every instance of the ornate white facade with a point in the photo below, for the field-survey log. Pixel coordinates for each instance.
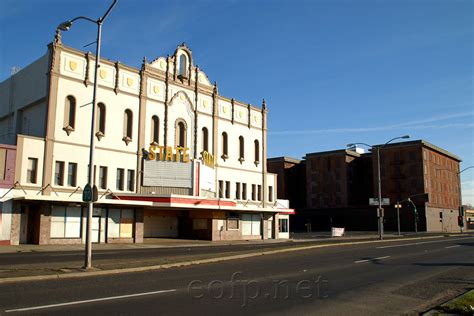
(173, 158)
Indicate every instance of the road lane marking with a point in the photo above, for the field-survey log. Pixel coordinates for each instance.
(88, 301)
(422, 243)
(455, 246)
(373, 259)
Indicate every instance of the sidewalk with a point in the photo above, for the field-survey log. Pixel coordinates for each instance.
(148, 243)
(301, 236)
(32, 262)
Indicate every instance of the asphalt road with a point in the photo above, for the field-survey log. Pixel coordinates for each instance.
(390, 278)
(76, 258)
(138, 253)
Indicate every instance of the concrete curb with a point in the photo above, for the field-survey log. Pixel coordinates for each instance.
(194, 262)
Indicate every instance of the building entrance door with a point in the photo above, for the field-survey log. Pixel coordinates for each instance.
(95, 229)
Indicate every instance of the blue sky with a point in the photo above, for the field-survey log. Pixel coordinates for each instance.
(332, 72)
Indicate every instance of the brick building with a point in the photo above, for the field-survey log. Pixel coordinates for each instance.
(339, 183)
(7, 176)
(290, 179)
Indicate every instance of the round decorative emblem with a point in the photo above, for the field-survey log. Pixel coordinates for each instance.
(156, 89)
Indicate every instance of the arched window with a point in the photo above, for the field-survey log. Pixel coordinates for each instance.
(127, 126)
(225, 146)
(69, 114)
(155, 127)
(182, 65)
(205, 139)
(100, 121)
(257, 152)
(180, 132)
(241, 149)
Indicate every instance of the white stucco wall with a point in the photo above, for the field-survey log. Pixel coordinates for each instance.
(115, 104)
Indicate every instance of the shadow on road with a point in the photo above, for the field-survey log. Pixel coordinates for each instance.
(466, 244)
(447, 264)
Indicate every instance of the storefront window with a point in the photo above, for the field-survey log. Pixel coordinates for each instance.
(120, 223)
(251, 224)
(283, 225)
(65, 222)
(233, 221)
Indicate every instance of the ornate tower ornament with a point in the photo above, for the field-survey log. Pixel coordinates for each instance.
(57, 37)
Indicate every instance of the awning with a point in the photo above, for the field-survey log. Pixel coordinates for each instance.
(76, 199)
(194, 202)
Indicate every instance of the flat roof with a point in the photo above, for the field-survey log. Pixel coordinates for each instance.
(426, 144)
(284, 158)
(399, 144)
(334, 153)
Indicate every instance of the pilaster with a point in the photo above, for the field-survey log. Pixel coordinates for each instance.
(264, 155)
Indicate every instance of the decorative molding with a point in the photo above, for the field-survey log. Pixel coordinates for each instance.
(232, 102)
(196, 113)
(117, 77)
(88, 62)
(165, 123)
(99, 135)
(249, 121)
(127, 140)
(68, 129)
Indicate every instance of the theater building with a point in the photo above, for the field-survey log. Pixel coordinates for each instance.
(173, 157)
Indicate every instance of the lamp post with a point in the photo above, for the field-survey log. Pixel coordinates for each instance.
(415, 211)
(379, 183)
(65, 26)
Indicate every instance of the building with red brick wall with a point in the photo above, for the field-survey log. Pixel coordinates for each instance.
(291, 175)
(417, 168)
(339, 183)
(7, 176)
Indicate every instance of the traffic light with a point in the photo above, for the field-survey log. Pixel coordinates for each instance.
(460, 221)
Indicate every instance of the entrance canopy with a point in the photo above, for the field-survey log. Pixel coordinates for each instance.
(194, 202)
(76, 199)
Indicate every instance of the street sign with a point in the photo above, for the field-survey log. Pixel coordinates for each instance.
(87, 193)
(375, 201)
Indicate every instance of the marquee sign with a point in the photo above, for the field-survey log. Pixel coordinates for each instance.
(162, 153)
(208, 159)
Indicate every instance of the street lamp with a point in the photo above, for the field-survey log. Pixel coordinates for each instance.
(380, 211)
(65, 26)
